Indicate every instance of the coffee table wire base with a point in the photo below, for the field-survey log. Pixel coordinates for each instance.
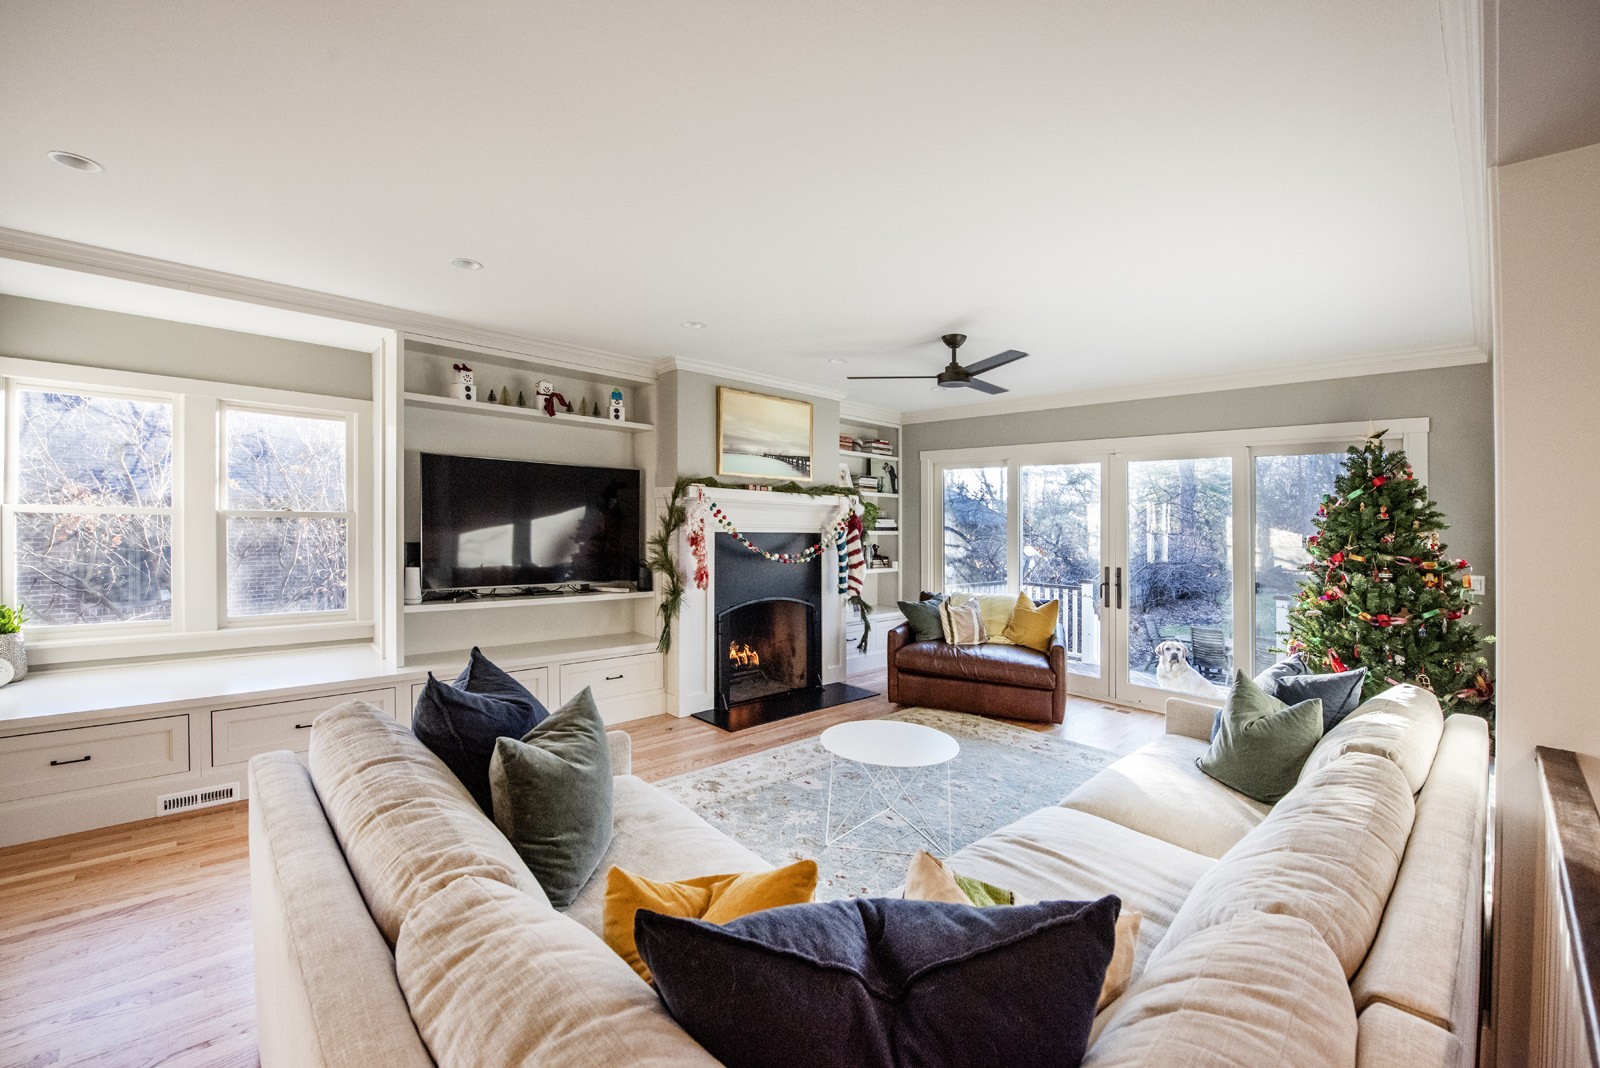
(891, 787)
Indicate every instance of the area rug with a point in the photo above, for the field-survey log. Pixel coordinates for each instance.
(774, 803)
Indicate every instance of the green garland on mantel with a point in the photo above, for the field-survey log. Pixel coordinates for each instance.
(660, 560)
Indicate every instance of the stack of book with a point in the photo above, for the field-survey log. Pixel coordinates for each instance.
(879, 446)
(867, 483)
(847, 443)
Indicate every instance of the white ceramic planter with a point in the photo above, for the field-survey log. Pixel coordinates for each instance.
(15, 655)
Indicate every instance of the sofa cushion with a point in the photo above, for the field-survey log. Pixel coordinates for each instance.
(655, 836)
(1389, 1038)
(1425, 957)
(1257, 991)
(923, 616)
(1063, 853)
(961, 622)
(1340, 693)
(1158, 791)
(880, 983)
(496, 978)
(1033, 625)
(1402, 723)
(1262, 742)
(996, 609)
(552, 796)
(460, 720)
(406, 824)
(1007, 665)
(1328, 854)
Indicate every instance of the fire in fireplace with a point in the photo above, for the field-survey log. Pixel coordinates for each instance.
(770, 645)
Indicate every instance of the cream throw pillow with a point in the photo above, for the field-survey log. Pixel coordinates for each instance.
(996, 609)
(930, 879)
(963, 623)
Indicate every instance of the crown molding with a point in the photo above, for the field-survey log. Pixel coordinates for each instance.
(131, 267)
(855, 411)
(753, 378)
(1353, 367)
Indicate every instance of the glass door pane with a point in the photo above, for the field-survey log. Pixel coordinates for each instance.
(1180, 569)
(1288, 490)
(1061, 553)
(975, 530)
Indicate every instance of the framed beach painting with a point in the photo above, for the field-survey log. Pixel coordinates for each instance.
(762, 437)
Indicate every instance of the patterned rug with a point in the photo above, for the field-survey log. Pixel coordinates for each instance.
(774, 803)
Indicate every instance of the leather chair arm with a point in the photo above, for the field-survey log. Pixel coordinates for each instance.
(1058, 665)
(898, 638)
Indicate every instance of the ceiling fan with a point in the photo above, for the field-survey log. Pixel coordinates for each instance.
(956, 375)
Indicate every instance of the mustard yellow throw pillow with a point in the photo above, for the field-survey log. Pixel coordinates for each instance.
(1033, 625)
(713, 898)
(931, 879)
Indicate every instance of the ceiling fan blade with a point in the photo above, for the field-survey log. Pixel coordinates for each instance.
(985, 387)
(998, 360)
(859, 378)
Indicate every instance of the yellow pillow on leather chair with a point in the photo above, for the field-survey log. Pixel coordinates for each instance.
(1033, 625)
(713, 898)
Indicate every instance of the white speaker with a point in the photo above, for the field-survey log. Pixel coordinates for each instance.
(413, 593)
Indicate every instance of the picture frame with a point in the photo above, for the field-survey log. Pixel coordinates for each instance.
(761, 436)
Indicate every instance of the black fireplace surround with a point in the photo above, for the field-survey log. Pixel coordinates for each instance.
(768, 647)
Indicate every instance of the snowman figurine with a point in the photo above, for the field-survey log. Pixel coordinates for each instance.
(462, 388)
(547, 398)
(618, 413)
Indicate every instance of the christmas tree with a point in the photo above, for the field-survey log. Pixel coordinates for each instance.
(1380, 592)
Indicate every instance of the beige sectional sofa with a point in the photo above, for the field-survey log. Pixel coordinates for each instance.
(396, 927)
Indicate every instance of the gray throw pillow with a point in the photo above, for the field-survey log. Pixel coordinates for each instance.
(1286, 668)
(552, 797)
(1339, 692)
(924, 618)
(1262, 743)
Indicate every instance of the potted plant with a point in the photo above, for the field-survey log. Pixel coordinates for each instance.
(13, 654)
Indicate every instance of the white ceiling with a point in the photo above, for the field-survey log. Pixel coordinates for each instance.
(1135, 193)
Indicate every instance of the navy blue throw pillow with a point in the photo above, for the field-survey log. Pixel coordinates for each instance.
(882, 983)
(1340, 693)
(460, 721)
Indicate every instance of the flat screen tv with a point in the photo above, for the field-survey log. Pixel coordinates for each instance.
(496, 523)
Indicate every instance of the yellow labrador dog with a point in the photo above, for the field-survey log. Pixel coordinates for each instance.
(1174, 672)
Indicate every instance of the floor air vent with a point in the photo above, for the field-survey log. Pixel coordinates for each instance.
(193, 799)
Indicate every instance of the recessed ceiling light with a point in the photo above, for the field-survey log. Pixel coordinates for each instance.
(75, 161)
(691, 324)
(461, 263)
(836, 360)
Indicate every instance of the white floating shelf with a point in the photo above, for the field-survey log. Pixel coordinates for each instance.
(548, 601)
(889, 496)
(895, 570)
(867, 455)
(881, 533)
(506, 411)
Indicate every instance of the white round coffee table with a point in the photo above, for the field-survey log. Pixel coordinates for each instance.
(895, 757)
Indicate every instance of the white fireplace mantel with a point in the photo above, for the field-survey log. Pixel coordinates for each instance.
(691, 669)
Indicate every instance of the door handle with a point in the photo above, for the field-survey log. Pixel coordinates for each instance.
(1105, 587)
(59, 763)
(1119, 587)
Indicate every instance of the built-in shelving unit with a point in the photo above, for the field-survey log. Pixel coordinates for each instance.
(587, 422)
(882, 587)
(434, 420)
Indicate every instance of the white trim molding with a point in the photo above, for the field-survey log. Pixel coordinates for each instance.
(740, 374)
(855, 412)
(1353, 367)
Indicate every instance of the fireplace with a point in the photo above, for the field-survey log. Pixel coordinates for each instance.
(769, 620)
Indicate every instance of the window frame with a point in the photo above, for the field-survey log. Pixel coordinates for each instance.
(200, 622)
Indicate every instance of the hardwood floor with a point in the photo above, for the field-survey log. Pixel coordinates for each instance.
(130, 946)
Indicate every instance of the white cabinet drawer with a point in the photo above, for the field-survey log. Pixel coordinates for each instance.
(237, 734)
(53, 762)
(618, 676)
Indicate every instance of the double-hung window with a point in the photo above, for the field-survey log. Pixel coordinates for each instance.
(146, 515)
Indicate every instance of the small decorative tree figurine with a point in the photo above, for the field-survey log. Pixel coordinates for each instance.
(1381, 593)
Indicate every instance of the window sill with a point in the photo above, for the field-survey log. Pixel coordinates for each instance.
(89, 649)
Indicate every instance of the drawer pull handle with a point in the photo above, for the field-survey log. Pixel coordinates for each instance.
(613, 678)
(302, 726)
(59, 763)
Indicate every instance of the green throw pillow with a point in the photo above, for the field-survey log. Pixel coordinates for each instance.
(924, 618)
(1262, 743)
(552, 796)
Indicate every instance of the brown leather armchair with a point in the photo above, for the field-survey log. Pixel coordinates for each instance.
(1003, 681)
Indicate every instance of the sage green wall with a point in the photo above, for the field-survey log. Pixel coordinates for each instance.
(87, 337)
(1456, 400)
(687, 426)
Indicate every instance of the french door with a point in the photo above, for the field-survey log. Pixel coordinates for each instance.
(1198, 542)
